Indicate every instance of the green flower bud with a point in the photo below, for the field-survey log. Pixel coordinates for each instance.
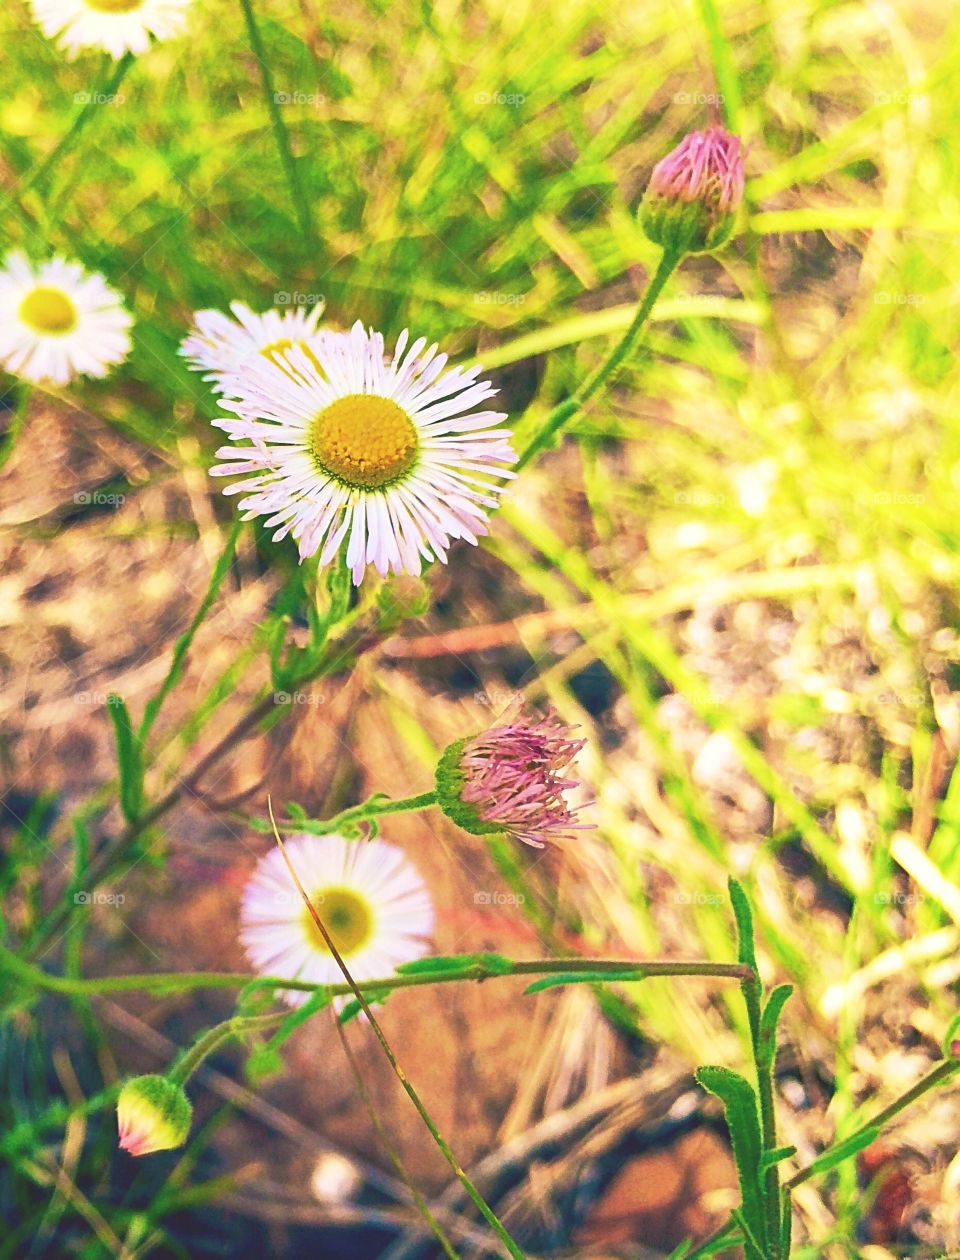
(153, 1114)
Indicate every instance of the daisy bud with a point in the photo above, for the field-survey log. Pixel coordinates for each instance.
(153, 1114)
(509, 779)
(694, 193)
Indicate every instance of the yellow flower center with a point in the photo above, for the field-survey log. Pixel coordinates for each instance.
(364, 441)
(48, 311)
(276, 349)
(114, 6)
(346, 916)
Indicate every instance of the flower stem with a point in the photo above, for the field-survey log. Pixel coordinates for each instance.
(280, 134)
(373, 807)
(236, 1026)
(388, 1145)
(475, 967)
(563, 411)
(942, 1072)
(17, 422)
(69, 139)
(476, 1197)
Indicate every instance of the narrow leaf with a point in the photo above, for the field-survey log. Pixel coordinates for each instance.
(746, 951)
(843, 1150)
(128, 758)
(768, 1023)
(776, 1156)
(583, 977)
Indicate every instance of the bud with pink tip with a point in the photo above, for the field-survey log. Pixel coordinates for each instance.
(694, 193)
(153, 1114)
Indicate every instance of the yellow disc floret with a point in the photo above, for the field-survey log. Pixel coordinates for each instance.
(346, 916)
(364, 441)
(114, 6)
(48, 311)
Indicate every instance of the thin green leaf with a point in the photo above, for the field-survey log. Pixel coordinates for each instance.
(768, 1023)
(843, 1150)
(769, 1158)
(582, 977)
(128, 758)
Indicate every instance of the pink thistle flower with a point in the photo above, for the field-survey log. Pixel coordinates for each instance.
(510, 779)
(694, 192)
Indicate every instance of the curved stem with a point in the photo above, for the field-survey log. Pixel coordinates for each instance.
(374, 807)
(236, 1026)
(565, 410)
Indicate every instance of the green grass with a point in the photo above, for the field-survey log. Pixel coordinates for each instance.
(785, 449)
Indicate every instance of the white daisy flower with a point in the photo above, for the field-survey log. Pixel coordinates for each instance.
(221, 346)
(344, 444)
(370, 898)
(116, 26)
(58, 321)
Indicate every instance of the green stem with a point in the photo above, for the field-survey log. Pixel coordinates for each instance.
(374, 807)
(563, 411)
(39, 173)
(473, 969)
(388, 1145)
(18, 420)
(280, 134)
(236, 1026)
(474, 1194)
(153, 706)
(245, 726)
(942, 1072)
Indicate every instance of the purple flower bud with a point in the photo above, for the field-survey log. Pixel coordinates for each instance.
(510, 779)
(694, 193)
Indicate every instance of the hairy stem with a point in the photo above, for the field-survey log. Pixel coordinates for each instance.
(565, 410)
(474, 968)
(236, 1026)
